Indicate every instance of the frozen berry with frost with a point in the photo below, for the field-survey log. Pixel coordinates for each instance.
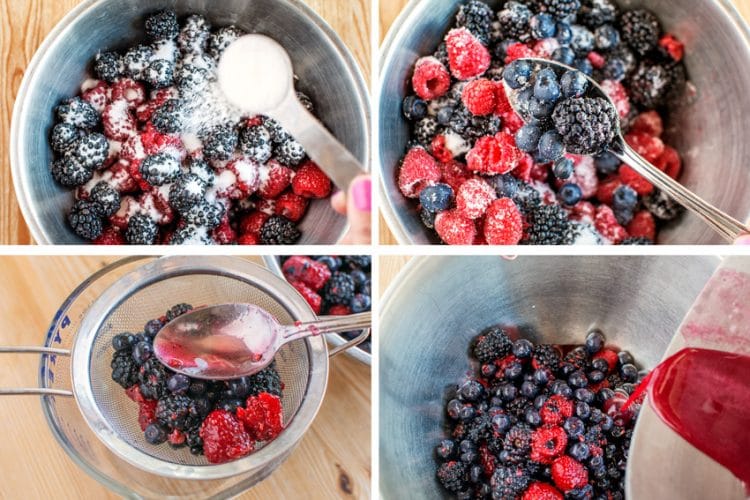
(78, 113)
(85, 220)
(160, 169)
(466, 54)
(503, 224)
(142, 230)
(418, 170)
(480, 96)
(473, 198)
(431, 79)
(454, 228)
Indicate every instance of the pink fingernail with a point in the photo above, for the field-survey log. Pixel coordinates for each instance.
(742, 240)
(362, 193)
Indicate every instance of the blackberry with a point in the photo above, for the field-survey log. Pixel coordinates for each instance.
(194, 441)
(577, 357)
(160, 169)
(425, 130)
(339, 289)
(441, 54)
(85, 220)
(640, 30)
(279, 135)
(152, 376)
(492, 344)
(221, 39)
(124, 369)
(654, 85)
(186, 192)
(546, 356)
(173, 411)
(518, 407)
(162, 25)
(170, 117)
(305, 101)
(662, 206)
(63, 136)
(255, 143)
(636, 241)
(194, 34)
(562, 10)
(91, 150)
(142, 230)
(279, 230)
(79, 113)
(220, 143)
(137, 59)
(453, 476)
(204, 214)
(190, 235)
(152, 328)
(106, 198)
(155, 434)
(594, 13)
(587, 125)
(517, 441)
(509, 482)
(514, 21)
(480, 126)
(192, 80)
(290, 153)
(177, 311)
(476, 17)
(358, 261)
(479, 428)
(159, 74)
(202, 170)
(548, 225)
(108, 66)
(70, 172)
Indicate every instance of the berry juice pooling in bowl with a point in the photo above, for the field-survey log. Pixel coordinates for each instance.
(155, 154)
(480, 175)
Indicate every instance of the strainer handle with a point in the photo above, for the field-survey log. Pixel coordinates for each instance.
(38, 390)
(352, 343)
(327, 324)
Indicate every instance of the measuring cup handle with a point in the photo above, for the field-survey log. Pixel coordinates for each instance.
(35, 391)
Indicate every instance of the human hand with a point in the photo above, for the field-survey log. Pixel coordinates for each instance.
(357, 206)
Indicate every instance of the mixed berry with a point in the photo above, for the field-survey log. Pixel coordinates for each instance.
(222, 420)
(480, 173)
(332, 285)
(156, 155)
(539, 421)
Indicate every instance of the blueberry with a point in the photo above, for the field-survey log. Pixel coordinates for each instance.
(596, 376)
(230, 404)
(444, 115)
(606, 37)
(529, 389)
(625, 358)
(596, 462)
(566, 369)
(625, 197)
(582, 40)
(563, 168)
(500, 422)
(508, 392)
(585, 395)
(527, 138)
(573, 84)
(532, 417)
(564, 33)
(367, 287)
(469, 456)
(522, 348)
(360, 303)
(331, 262)
(152, 328)
(476, 473)
(606, 422)
(541, 376)
(594, 341)
(564, 55)
(539, 401)
(122, 342)
(446, 448)
(570, 194)
(601, 365)
(505, 185)
(550, 146)
(517, 74)
(584, 66)
(488, 370)
(546, 86)
(542, 26)
(562, 388)
(470, 391)
(629, 373)
(582, 410)
(574, 427)
(155, 434)
(436, 198)
(578, 379)
(579, 451)
(607, 163)
(454, 408)
(239, 387)
(142, 352)
(467, 412)
(414, 108)
(514, 370)
(178, 383)
(605, 394)
(540, 110)
(615, 69)
(523, 100)
(466, 445)
(359, 277)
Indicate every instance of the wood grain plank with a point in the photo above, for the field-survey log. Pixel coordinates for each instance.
(25, 23)
(332, 460)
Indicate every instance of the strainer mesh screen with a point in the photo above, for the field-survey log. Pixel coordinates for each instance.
(292, 361)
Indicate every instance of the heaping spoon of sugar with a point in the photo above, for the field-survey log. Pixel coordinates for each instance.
(228, 341)
(521, 76)
(256, 75)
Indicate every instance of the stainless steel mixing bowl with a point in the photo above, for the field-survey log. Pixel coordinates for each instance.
(438, 304)
(709, 132)
(327, 73)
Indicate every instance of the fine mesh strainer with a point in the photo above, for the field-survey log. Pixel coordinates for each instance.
(98, 426)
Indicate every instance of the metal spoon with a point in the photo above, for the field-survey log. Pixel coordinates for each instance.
(233, 340)
(256, 75)
(721, 222)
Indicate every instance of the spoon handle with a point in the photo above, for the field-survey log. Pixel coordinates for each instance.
(329, 324)
(320, 145)
(724, 224)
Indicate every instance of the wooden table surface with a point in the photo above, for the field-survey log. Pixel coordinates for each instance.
(390, 266)
(25, 23)
(389, 10)
(332, 461)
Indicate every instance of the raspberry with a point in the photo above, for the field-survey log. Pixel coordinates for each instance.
(97, 96)
(339, 310)
(275, 178)
(584, 175)
(503, 104)
(473, 198)
(454, 174)
(248, 175)
(606, 191)
(607, 225)
(672, 46)
(155, 142)
(146, 413)
(597, 60)
(569, 474)
(642, 226)
(619, 96)
(648, 146)
(130, 91)
(635, 180)
(311, 182)
(224, 234)
(517, 51)
(503, 224)
(466, 55)
(609, 356)
(262, 416)
(224, 437)
(548, 443)
(431, 79)
(134, 393)
(480, 97)
(523, 170)
(307, 271)
(312, 298)
(248, 239)
(119, 122)
(555, 410)
(439, 149)
(455, 229)
(648, 123)
(494, 155)
(418, 170)
(252, 223)
(669, 162)
(291, 206)
(542, 491)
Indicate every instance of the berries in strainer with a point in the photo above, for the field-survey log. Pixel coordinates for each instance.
(262, 416)
(224, 437)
